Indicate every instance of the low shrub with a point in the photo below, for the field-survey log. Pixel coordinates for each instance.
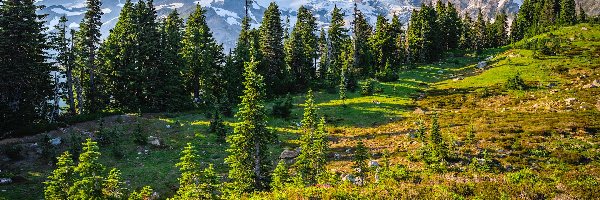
(516, 83)
(282, 107)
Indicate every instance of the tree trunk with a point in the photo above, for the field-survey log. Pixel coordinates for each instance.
(70, 97)
(257, 166)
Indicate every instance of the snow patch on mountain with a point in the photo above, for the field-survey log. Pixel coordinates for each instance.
(225, 13)
(66, 12)
(170, 6)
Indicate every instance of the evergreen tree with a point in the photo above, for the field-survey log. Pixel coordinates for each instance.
(86, 46)
(430, 51)
(343, 86)
(414, 37)
(203, 57)
(382, 43)
(453, 27)
(302, 50)
(89, 170)
(499, 33)
(337, 39)
(144, 194)
(272, 66)
(61, 179)
(480, 34)
(247, 158)
(118, 55)
(149, 58)
(304, 162)
(112, 188)
(397, 48)
(568, 14)
(361, 155)
(442, 19)
(280, 176)
(25, 82)
(362, 31)
(320, 149)
(466, 34)
(194, 183)
(235, 69)
(171, 94)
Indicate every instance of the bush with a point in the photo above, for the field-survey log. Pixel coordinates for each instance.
(106, 136)
(516, 83)
(367, 87)
(48, 150)
(139, 136)
(387, 75)
(14, 152)
(282, 108)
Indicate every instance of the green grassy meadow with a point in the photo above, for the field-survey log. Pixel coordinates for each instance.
(542, 146)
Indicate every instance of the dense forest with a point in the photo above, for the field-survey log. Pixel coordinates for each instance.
(152, 64)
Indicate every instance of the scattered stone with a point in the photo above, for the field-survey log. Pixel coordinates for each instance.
(337, 156)
(419, 111)
(348, 150)
(570, 101)
(584, 28)
(373, 163)
(481, 64)
(5, 180)
(348, 177)
(458, 78)
(358, 181)
(55, 141)
(289, 154)
(168, 126)
(440, 72)
(594, 84)
(154, 141)
(551, 85)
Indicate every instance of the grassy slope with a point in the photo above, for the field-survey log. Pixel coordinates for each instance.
(521, 129)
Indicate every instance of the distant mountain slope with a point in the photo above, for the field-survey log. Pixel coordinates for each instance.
(224, 16)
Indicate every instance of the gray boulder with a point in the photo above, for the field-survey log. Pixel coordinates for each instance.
(289, 154)
(56, 141)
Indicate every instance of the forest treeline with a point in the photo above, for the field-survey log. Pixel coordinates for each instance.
(152, 64)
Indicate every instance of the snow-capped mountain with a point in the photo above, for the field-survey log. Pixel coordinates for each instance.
(224, 16)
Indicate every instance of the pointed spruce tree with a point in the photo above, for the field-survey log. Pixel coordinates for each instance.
(247, 159)
(272, 65)
(118, 58)
(171, 94)
(337, 38)
(362, 31)
(302, 51)
(568, 14)
(25, 83)
(86, 51)
(61, 179)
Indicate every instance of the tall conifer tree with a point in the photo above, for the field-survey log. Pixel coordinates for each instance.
(87, 44)
(337, 38)
(247, 160)
(362, 31)
(25, 81)
(272, 66)
(302, 50)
